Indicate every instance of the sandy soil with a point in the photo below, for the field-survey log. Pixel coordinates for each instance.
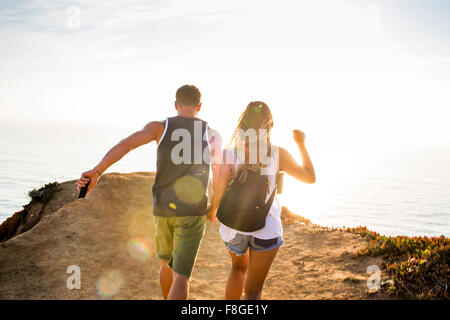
(109, 236)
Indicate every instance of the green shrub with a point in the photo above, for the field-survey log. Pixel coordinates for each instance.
(44, 192)
(419, 266)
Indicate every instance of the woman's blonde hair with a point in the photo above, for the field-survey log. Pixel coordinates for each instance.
(256, 116)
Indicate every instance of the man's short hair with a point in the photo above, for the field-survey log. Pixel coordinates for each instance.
(188, 95)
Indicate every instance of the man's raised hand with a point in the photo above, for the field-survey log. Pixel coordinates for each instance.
(90, 177)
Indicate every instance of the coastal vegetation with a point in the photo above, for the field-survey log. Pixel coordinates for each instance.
(418, 267)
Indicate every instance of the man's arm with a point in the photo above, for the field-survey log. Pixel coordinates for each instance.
(225, 174)
(152, 131)
(148, 134)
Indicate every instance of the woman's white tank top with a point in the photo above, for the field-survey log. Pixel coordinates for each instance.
(273, 227)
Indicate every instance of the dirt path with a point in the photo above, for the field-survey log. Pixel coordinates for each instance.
(109, 236)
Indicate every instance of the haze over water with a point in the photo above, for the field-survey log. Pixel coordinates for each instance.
(402, 191)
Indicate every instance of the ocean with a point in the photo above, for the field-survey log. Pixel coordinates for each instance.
(402, 192)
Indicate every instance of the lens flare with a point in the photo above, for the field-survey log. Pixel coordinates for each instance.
(139, 249)
(139, 223)
(189, 189)
(109, 284)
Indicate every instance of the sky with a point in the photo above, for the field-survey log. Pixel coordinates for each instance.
(353, 75)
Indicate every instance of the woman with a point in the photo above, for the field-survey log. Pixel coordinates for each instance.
(252, 253)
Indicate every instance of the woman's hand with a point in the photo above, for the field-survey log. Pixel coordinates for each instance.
(90, 176)
(211, 214)
(299, 136)
(304, 172)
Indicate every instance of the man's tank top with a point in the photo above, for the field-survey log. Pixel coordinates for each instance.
(182, 169)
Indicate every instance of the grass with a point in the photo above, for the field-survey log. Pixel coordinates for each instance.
(418, 266)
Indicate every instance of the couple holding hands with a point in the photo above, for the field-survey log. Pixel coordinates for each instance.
(244, 184)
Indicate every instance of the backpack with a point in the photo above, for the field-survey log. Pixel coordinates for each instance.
(243, 206)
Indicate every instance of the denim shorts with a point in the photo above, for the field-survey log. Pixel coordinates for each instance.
(241, 242)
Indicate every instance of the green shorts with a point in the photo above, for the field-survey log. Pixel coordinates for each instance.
(178, 240)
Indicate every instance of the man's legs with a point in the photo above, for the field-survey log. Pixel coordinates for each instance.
(188, 233)
(177, 243)
(174, 286)
(180, 287)
(165, 278)
(164, 248)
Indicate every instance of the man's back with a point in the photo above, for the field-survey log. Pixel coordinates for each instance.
(179, 191)
(182, 168)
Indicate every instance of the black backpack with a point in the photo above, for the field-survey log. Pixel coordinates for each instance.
(243, 206)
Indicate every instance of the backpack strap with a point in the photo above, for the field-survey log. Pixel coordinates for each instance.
(270, 201)
(272, 196)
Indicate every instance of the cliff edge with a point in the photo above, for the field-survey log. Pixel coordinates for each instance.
(107, 239)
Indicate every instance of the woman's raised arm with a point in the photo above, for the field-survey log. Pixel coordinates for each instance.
(304, 172)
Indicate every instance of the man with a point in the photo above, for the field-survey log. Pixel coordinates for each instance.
(185, 146)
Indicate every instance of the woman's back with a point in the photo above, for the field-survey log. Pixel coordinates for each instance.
(273, 227)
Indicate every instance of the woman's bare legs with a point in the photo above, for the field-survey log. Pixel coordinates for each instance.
(235, 282)
(258, 268)
(251, 268)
